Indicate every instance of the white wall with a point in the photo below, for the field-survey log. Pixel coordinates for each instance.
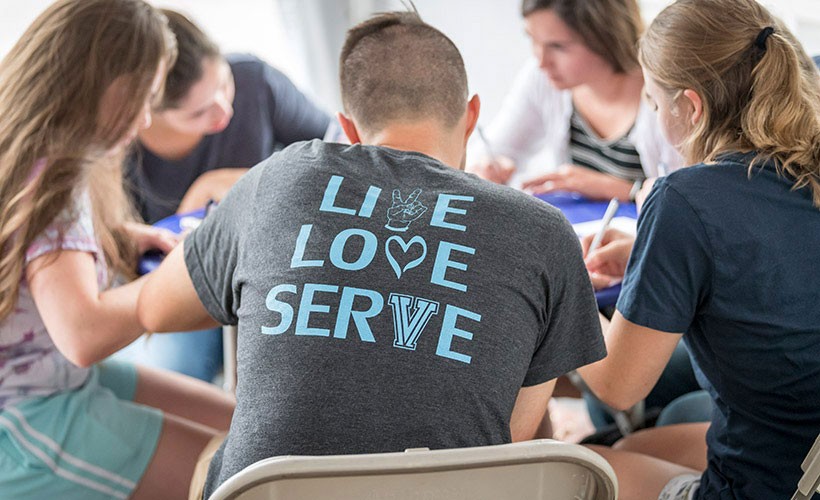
(491, 36)
(489, 33)
(237, 26)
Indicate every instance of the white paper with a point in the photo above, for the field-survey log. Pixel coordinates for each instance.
(625, 224)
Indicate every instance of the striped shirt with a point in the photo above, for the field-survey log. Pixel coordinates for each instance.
(618, 157)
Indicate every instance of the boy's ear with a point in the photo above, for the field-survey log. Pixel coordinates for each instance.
(349, 128)
(473, 110)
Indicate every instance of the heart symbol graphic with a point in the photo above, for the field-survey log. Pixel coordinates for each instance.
(405, 246)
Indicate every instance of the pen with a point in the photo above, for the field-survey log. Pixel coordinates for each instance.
(608, 215)
(210, 206)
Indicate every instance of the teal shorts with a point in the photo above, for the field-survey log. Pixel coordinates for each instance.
(90, 443)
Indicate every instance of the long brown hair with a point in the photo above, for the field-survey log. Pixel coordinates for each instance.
(760, 90)
(51, 85)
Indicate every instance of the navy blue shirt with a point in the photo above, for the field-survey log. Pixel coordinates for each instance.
(269, 113)
(733, 262)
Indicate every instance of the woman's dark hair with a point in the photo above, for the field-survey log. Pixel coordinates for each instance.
(610, 28)
(193, 45)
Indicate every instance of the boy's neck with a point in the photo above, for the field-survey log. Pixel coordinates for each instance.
(421, 137)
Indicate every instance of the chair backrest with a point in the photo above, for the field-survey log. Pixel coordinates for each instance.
(543, 469)
(810, 482)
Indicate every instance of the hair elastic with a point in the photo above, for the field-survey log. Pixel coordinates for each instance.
(760, 41)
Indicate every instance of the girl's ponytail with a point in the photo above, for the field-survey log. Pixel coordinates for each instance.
(761, 91)
(781, 120)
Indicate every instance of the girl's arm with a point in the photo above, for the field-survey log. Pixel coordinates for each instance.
(169, 301)
(529, 410)
(585, 181)
(210, 186)
(636, 357)
(85, 325)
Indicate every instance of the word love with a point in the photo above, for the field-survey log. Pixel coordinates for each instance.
(338, 308)
(410, 316)
(402, 254)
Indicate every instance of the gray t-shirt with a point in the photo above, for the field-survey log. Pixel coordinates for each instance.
(385, 301)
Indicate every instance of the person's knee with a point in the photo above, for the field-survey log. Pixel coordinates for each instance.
(635, 442)
(692, 407)
(640, 477)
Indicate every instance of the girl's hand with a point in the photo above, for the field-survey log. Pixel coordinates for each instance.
(607, 264)
(585, 181)
(210, 186)
(499, 169)
(151, 238)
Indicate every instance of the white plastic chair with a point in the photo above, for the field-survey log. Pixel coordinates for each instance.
(543, 469)
(810, 482)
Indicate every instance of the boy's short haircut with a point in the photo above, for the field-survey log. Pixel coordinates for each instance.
(396, 67)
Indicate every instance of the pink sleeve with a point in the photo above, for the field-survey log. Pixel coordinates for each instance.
(77, 232)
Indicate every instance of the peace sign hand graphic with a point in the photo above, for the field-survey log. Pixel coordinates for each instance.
(403, 212)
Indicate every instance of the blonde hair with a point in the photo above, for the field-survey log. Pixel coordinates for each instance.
(609, 28)
(760, 93)
(51, 86)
